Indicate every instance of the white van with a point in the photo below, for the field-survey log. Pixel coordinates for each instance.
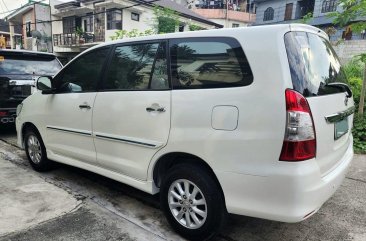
(251, 121)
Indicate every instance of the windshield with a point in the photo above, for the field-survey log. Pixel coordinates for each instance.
(28, 65)
(313, 64)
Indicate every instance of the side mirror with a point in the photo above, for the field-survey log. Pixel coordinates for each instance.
(44, 84)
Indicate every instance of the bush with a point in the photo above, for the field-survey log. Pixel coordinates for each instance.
(354, 72)
(354, 69)
(356, 86)
(359, 134)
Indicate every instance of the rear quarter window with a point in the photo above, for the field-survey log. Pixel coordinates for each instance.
(313, 64)
(16, 64)
(209, 63)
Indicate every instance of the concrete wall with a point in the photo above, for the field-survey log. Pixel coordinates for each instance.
(318, 9)
(279, 7)
(43, 13)
(28, 17)
(348, 49)
(142, 25)
(56, 25)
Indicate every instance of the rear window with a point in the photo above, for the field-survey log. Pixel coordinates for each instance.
(28, 65)
(209, 63)
(313, 64)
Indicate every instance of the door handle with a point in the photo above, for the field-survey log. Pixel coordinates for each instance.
(152, 109)
(85, 106)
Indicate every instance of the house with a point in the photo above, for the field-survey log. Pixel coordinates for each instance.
(6, 37)
(80, 24)
(230, 14)
(279, 11)
(34, 20)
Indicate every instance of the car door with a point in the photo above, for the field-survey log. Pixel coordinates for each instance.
(131, 118)
(69, 110)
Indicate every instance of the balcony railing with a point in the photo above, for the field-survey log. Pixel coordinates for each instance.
(223, 14)
(73, 39)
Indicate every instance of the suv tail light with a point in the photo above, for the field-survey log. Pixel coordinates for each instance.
(300, 141)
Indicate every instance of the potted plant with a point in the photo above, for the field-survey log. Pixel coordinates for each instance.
(80, 33)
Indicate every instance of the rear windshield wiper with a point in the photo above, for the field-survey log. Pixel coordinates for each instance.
(342, 86)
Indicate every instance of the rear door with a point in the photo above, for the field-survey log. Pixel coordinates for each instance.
(131, 118)
(317, 74)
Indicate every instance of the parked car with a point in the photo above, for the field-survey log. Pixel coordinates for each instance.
(251, 121)
(18, 71)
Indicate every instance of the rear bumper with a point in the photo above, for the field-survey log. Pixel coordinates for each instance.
(9, 117)
(293, 193)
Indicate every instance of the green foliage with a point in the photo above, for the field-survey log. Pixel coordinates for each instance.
(193, 27)
(166, 25)
(354, 69)
(165, 20)
(354, 72)
(359, 134)
(351, 10)
(79, 32)
(356, 86)
(307, 18)
(120, 34)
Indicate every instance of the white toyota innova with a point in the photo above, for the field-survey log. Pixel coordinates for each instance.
(252, 121)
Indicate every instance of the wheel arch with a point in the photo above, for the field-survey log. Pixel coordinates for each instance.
(168, 160)
(26, 126)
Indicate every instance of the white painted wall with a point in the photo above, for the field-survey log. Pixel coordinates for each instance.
(56, 25)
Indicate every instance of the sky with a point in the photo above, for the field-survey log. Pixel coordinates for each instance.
(6, 5)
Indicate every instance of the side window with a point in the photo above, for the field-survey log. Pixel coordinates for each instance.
(132, 66)
(209, 63)
(82, 74)
(159, 77)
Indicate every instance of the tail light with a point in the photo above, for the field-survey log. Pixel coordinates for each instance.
(300, 141)
(3, 113)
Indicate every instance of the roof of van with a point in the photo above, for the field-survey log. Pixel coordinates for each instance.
(221, 32)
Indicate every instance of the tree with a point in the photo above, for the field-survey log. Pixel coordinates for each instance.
(352, 11)
(361, 106)
(165, 20)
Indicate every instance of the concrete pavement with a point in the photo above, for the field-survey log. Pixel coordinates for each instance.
(97, 208)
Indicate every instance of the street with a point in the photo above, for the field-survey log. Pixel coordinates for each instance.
(72, 204)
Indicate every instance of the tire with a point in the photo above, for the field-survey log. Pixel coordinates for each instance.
(208, 208)
(36, 151)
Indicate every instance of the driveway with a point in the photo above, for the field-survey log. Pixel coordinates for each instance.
(71, 204)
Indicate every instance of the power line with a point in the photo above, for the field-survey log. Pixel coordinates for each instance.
(16, 9)
(1, 7)
(6, 7)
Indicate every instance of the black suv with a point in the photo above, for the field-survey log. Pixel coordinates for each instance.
(18, 71)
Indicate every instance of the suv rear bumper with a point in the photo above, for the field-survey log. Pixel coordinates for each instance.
(9, 117)
(293, 193)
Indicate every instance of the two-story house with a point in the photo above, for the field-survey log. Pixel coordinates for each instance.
(34, 20)
(80, 24)
(280, 11)
(229, 13)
